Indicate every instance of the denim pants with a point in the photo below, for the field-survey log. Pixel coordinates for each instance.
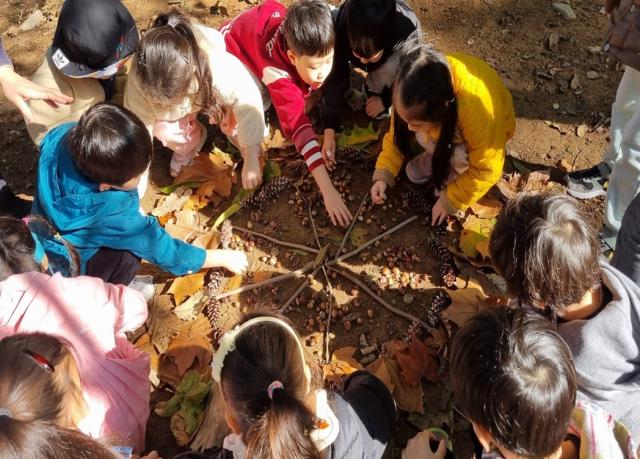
(623, 155)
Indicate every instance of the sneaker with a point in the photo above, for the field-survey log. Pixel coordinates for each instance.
(419, 168)
(588, 183)
(144, 285)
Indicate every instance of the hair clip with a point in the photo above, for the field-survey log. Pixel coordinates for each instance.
(40, 360)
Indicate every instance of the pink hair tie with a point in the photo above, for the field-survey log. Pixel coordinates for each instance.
(272, 387)
(26, 220)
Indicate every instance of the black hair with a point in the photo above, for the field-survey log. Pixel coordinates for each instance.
(546, 251)
(513, 375)
(308, 28)
(368, 24)
(424, 87)
(110, 144)
(17, 245)
(276, 427)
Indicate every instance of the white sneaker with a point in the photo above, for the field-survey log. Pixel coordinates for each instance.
(144, 285)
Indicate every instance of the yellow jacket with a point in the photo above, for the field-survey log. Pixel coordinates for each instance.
(486, 120)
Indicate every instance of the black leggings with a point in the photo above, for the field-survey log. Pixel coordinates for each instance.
(113, 266)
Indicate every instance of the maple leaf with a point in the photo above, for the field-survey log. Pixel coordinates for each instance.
(474, 231)
(214, 170)
(465, 302)
(171, 203)
(185, 286)
(209, 240)
(418, 361)
(190, 349)
(189, 309)
(163, 324)
(145, 345)
(512, 184)
(487, 208)
(195, 203)
(342, 364)
(186, 225)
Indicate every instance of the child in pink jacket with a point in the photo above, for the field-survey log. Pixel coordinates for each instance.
(90, 317)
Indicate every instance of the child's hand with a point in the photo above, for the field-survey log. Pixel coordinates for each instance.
(438, 213)
(374, 106)
(251, 173)
(419, 448)
(336, 208)
(228, 123)
(329, 147)
(378, 195)
(234, 260)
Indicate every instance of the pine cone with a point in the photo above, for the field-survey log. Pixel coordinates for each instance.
(448, 274)
(212, 311)
(432, 318)
(420, 202)
(440, 231)
(269, 190)
(440, 301)
(226, 234)
(440, 251)
(214, 282)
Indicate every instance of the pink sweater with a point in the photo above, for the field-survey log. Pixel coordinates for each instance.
(92, 317)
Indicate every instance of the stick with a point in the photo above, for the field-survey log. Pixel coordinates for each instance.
(372, 241)
(276, 241)
(353, 222)
(297, 273)
(380, 300)
(300, 289)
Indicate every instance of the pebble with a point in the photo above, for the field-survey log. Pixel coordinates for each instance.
(369, 349)
(592, 75)
(408, 298)
(553, 40)
(565, 11)
(363, 341)
(575, 81)
(347, 325)
(370, 313)
(32, 21)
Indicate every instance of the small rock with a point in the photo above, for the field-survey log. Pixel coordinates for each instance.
(408, 298)
(564, 166)
(556, 106)
(363, 341)
(249, 224)
(347, 325)
(575, 81)
(595, 49)
(369, 349)
(565, 11)
(370, 313)
(359, 320)
(581, 130)
(592, 75)
(32, 21)
(553, 40)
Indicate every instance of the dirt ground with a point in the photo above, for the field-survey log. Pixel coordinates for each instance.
(562, 120)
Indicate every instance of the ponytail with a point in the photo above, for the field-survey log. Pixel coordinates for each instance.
(424, 87)
(169, 57)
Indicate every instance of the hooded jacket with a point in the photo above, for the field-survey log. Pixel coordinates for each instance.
(90, 219)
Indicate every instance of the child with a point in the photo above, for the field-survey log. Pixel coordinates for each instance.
(269, 405)
(79, 324)
(549, 257)
(92, 42)
(513, 379)
(182, 69)
(367, 34)
(291, 53)
(87, 178)
(462, 115)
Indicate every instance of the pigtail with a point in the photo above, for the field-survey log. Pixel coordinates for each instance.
(283, 430)
(17, 247)
(442, 156)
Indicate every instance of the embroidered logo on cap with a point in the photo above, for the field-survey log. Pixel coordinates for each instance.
(59, 59)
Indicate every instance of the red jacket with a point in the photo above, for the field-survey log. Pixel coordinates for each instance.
(256, 38)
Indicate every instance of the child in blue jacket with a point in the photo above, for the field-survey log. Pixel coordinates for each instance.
(87, 178)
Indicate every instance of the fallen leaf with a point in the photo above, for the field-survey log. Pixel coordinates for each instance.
(512, 184)
(498, 281)
(271, 170)
(185, 286)
(483, 249)
(418, 361)
(163, 220)
(171, 188)
(171, 203)
(163, 324)
(320, 256)
(215, 170)
(209, 240)
(537, 181)
(358, 135)
(342, 364)
(259, 276)
(189, 309)
(486, 208)
(474, 231)
(233, 283)
(358, 236)
(145, 345)
(179, 430)
(189, 350)
(465, 302)
(186, 225)
(379, 369)
(195, 203)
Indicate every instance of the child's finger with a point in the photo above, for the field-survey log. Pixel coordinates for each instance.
(442, 448)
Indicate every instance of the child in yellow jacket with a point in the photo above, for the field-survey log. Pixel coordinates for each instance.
(462, 116)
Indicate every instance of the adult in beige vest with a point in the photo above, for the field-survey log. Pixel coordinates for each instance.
(92, 42)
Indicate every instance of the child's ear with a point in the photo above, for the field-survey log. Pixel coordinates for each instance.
(104, 187)
(292, 57)
(232, 422)
(484, 437)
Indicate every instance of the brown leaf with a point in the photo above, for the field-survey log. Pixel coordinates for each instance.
(380, 369)
(195, 203)
(189, 350)
(163, 324)
(474, 231)
(483, 249)
(418, 361)
(185, 286)
(175, 201)
(260, 276)
(179, 429)
(487, 208)
(186, 225)
(342, 364)
(145, 345)
(512, 184)
(537, 181)
(189, 309)
(233, 283)
(214, 169)
(209, 240)
(465, 302)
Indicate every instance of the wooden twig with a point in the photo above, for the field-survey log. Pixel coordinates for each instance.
(353, 222)
(304, 285)
(297, 273)
(380, 300)
(372, 241)
(276, 241)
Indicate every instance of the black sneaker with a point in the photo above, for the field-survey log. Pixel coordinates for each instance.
(588, 183)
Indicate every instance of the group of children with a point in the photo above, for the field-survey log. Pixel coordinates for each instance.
(536, 380)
